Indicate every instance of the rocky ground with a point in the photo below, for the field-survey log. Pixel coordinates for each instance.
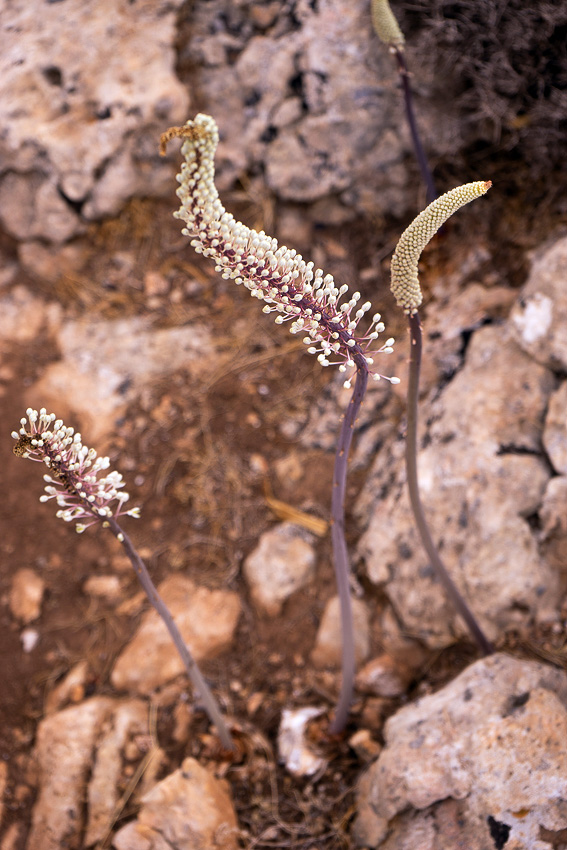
(224, 431)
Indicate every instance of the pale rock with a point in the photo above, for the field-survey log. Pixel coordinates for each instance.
(383, 676)
(70, 689)
(553, 518)
(206, 619)
(128, 720)
(187, 810)
(26, 595)
(364, 745)
(106, 587)
(294, 749)
(51, 263)
(105, 364)
(79, 757)
(23, 316)
(283, 562)
(555, 431)
(328, 642)
(483, 749)
(63, 752)
(340, 138)
(540, 315)
(85, 93)
(480, 478)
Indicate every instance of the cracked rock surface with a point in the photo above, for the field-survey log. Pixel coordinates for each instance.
(483, 757)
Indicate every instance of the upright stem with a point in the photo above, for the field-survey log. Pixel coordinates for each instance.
(189, 662)
(410, 114)
(413, 487)
(340, 553)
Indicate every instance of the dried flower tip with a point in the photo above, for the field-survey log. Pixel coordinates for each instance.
(405, 282)
(74, 480)
(278, 276)
(386, 25)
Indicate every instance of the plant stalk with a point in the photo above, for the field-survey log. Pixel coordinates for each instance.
(195, 675)
(340, 553)
(410, 115)
(413, 486)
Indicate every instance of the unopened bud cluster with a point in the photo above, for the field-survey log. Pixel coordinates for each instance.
(385, 24)
(74, 480)
(405, 282)
(279, 276)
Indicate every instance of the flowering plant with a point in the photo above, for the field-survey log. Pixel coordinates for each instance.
(301, 294)
(82, 494)
(75, 482)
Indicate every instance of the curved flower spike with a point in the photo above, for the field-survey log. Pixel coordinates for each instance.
(289, 287)
(405, 283)
(75, 483)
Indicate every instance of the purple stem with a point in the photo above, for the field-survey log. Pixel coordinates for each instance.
(340, 553)
(410, 115)
(195, 675)
(413, 486)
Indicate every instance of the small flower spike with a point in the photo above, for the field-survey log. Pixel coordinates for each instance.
(74, 480)
(385, 24)
(289, 287)
(405, 283)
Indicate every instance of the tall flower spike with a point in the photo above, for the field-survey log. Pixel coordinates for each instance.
(290, 287)
(405, 282)
(75, 483)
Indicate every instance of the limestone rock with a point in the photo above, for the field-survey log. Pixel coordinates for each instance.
(338, 134)
(554, 523)
(540, 315)
(480, 478)
(383, 676)
(128, 720)
(26, 595)
(23, 316)
(486, 752)
(70, 689)
(85, 93)
(105, 587)
(206, 619)
(282, 562)
(105, 365)
(79, 753)
(328, 643)
(63, 752)
(187, 810)
(555, 431)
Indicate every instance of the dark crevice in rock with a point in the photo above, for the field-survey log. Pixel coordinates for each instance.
(500, 832)
(76, 206)
(516, 702)
(53, 75)
(511, 449)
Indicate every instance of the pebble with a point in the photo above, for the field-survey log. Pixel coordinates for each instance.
(26, 595)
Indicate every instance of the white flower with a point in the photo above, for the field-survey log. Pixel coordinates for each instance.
(288, 286)
(74, 480)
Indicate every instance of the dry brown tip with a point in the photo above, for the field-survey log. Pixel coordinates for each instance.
(188, 131)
